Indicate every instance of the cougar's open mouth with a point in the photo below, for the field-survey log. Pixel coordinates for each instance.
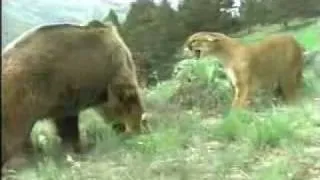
(197, 53)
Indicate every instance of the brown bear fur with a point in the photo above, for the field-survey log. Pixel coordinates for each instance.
(142, 69)
(54, 71)
(107, 110)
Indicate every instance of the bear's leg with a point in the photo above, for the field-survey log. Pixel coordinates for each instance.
(17, 124)
(68, 130)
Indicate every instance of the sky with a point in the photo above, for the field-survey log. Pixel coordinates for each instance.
(175, 3)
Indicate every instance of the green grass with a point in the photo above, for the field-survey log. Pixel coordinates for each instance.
(183, 146)
(308, 36)
(201, 140)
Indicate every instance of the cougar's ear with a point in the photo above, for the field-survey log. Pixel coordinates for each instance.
(190, 45)
(187, 45)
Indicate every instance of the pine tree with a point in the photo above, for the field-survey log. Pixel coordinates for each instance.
(113, 17)
(201, 15)
(140, 30)
(171, 34)
(155, 32)
(285, 10)
(254, 12)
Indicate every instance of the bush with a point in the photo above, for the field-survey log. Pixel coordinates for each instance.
(202, 83)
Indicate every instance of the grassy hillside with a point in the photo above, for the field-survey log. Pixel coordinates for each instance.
(197, 137)
(20, 15)
(307, 32)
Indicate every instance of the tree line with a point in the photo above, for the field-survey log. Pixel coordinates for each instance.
(155, 32)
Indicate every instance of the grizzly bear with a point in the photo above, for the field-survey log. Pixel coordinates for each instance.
(55, 71)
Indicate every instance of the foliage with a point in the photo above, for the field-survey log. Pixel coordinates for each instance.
(113, 17)
(153, 30)
(201, 83)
